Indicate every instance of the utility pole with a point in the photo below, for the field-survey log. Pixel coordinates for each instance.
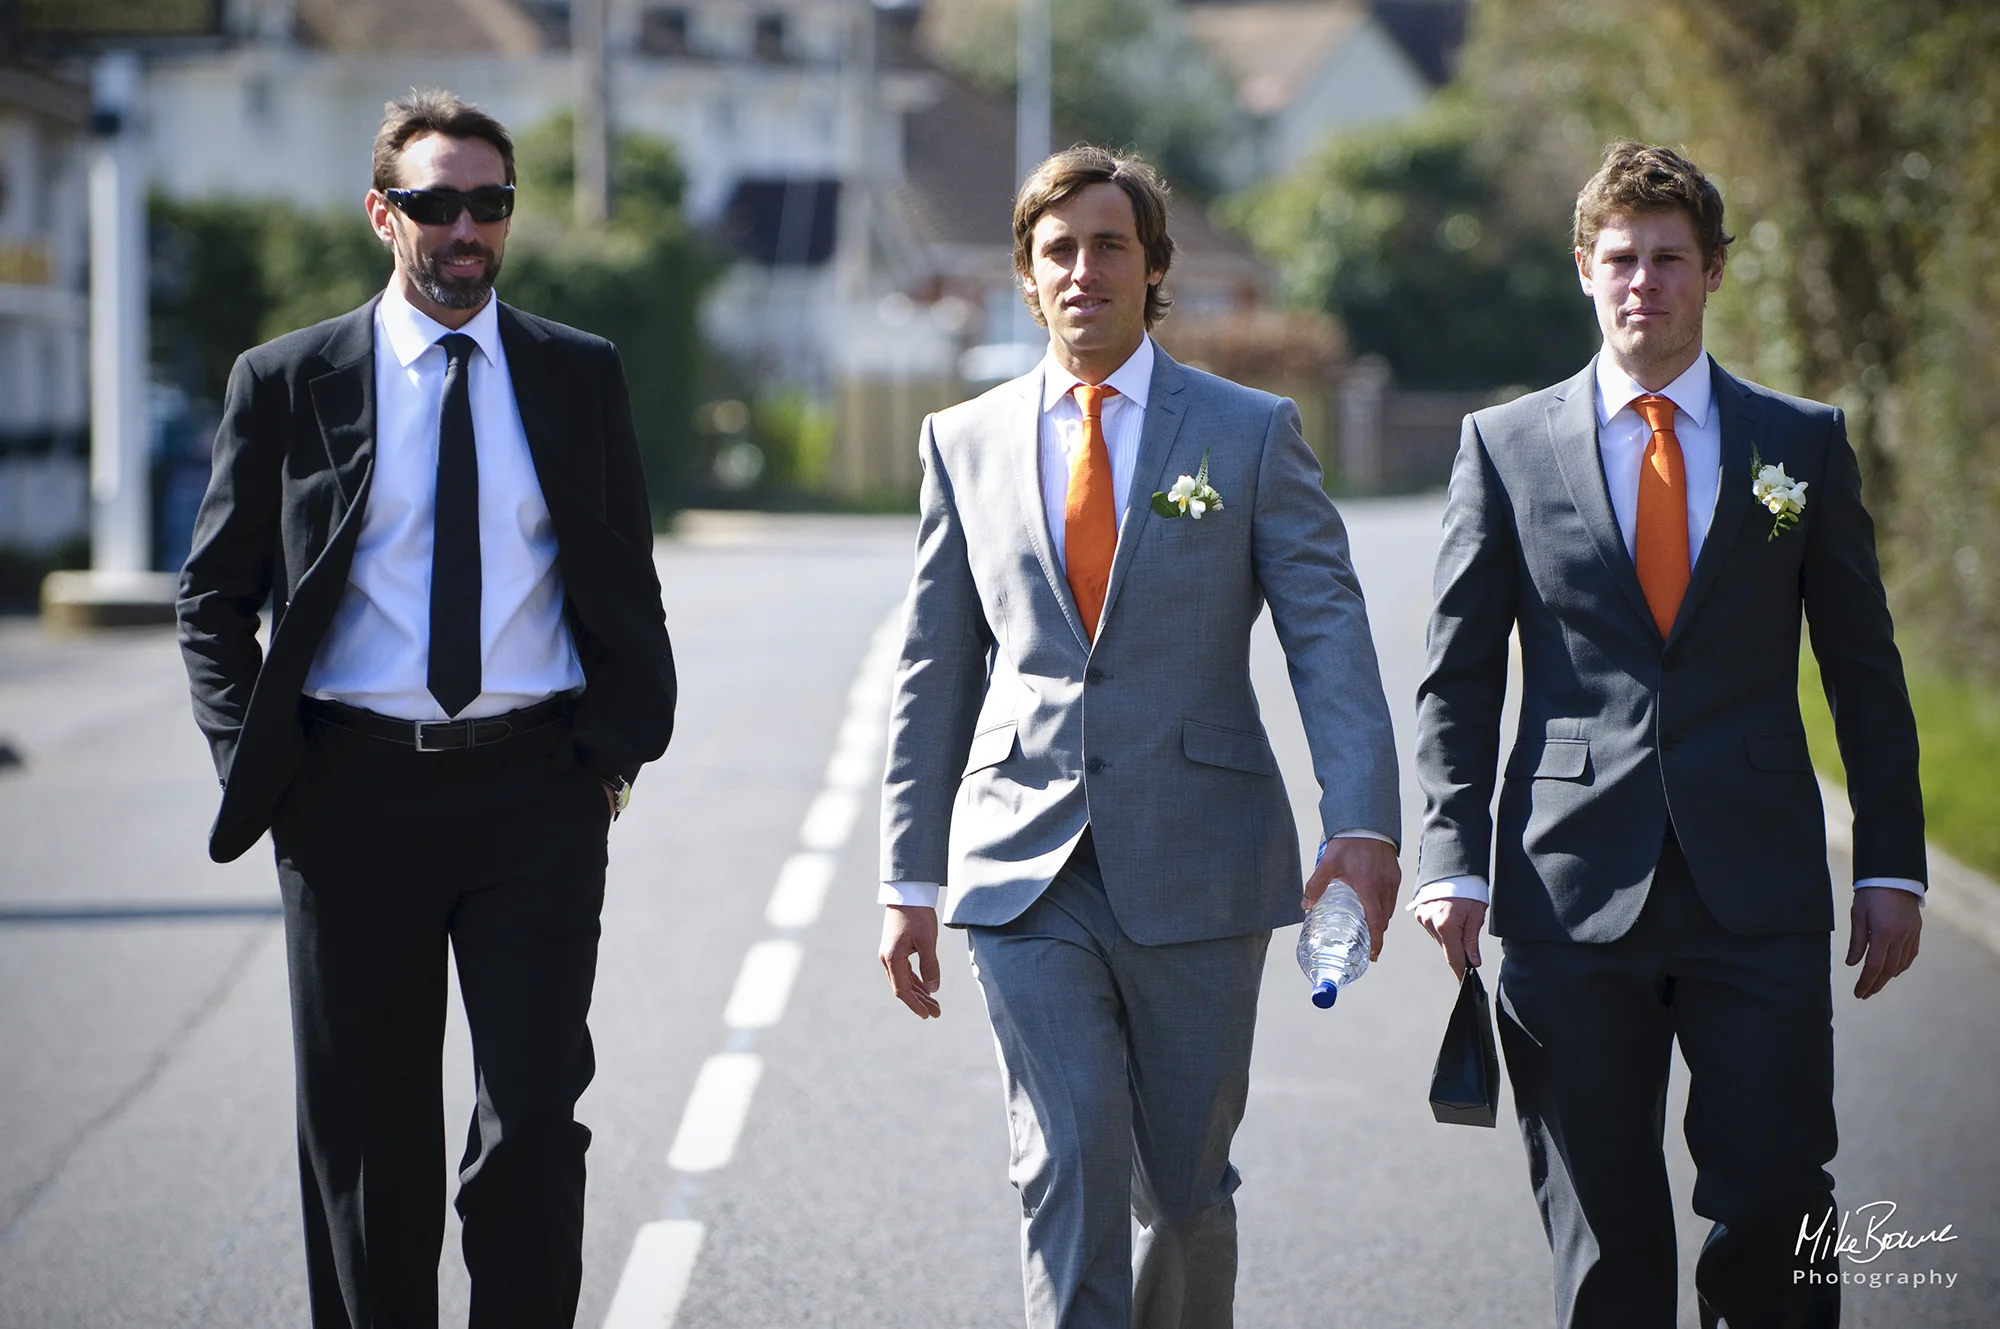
(857, 120)
(121, 490)
(593, 115)
(1032, 118)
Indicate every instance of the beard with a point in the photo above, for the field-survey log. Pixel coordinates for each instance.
(426, 273)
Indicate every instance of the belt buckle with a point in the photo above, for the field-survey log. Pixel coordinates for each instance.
(420, 725)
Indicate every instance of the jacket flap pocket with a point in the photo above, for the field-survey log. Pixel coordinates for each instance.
(1778, 752)
(990, 747)
(1230, 748)
(1558, 759)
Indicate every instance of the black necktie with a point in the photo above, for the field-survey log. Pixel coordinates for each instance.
(454, 660)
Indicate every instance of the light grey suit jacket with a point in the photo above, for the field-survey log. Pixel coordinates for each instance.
(1011, 731)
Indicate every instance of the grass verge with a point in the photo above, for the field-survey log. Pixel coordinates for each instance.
(1958, 735)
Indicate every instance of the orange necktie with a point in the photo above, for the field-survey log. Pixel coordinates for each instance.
(1661, 530)
(1090, 514)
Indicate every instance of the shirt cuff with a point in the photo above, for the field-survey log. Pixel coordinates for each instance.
(1359, 833)
(1450, 888)
(1909, 884)
(913, 894)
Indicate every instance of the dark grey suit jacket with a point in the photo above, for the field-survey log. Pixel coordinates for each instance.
(292, 463)
(1621, 732)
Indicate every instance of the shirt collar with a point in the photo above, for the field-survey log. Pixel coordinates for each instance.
(411, 331)
(1133, 379)
(1692, 393)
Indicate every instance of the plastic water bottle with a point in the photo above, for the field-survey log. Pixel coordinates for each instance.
(1333, 944)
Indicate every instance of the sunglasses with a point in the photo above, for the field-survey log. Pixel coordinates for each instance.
(440, 207)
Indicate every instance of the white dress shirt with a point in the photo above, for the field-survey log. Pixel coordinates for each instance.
(376, 652)
(1124, 421)
(1622, 437)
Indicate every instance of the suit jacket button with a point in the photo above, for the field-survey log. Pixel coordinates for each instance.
(1094, 765)
(1093, 675)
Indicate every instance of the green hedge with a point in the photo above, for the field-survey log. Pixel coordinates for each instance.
(1958, 732)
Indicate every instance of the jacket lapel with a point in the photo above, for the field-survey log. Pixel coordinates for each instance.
(543, 400)
(1738, 417)
(343, 401)
(1165, 409)
(1022, 429)
(1572, 420)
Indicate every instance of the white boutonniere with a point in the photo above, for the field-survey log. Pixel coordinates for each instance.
(1784, 496)
(1191, 495)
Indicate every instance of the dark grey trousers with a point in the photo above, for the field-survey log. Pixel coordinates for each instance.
(1126, 1069)
(1589, 1031)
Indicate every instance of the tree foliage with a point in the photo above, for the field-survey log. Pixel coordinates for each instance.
(1858, 148)
(1404, 235)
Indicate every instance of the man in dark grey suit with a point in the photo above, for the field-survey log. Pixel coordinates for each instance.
(1076, 758)
(1655, 530)
(439, 499)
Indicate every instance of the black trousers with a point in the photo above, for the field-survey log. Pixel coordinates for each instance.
(1589, 1031)
(385, 854)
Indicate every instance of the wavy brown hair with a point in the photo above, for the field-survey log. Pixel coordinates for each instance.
(1067, 174)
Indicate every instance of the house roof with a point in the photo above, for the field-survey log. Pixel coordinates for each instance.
(958, 182)
(419, 27)
(1274, 48)
(1429, 31)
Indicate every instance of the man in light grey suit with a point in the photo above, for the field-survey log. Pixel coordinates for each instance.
(1659, 873)
(1076, 758)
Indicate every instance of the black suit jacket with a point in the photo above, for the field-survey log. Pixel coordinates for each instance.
(293, 460)
(1623, 732)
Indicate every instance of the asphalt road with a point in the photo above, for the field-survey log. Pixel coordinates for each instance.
(842, 1164)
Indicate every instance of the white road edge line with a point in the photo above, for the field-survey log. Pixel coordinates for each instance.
(656, 1275)
(716, 1110)
(763, 985)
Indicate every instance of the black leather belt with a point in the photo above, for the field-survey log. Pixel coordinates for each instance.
(441, 735)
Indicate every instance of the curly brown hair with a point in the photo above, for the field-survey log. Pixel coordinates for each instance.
(1636, 178)
(1067, 174)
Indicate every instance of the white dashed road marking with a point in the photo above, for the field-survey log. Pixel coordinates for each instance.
(664, 1253)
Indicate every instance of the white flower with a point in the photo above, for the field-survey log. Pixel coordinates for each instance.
(1190, 496)
(1782, 496)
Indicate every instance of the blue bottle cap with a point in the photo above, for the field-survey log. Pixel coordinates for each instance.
(1324, 993)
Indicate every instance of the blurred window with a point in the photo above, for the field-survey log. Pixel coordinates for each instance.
(783, 223)
(768, 43)
(664, 32)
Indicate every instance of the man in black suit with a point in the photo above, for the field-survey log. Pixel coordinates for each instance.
(1661, 869)
(440, 499)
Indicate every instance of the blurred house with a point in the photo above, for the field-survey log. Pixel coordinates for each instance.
(44, 328)
(1304, 69)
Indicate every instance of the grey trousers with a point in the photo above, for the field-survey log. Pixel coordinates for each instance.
(1126, 1069)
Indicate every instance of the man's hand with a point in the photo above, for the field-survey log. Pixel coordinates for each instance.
(1454, 922)
(910, 932)
(1884, 927)
(1370, 867)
